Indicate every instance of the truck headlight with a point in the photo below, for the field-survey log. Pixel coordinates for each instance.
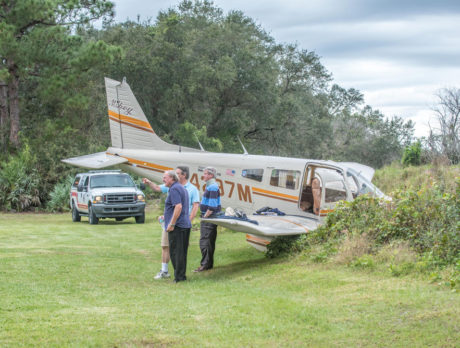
(98, 199)
(140, 198)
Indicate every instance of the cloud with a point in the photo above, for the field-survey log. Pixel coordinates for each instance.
(397, 53)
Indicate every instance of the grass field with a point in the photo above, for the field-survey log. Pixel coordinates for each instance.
(74, 284)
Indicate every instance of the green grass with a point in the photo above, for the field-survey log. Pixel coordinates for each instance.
(74, 284)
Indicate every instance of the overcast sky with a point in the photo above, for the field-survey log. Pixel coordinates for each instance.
(397, 53)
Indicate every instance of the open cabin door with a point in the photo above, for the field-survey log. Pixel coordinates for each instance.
(323, 186)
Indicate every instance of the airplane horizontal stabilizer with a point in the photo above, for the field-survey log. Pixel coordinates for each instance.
(95, 161)
(268, 225)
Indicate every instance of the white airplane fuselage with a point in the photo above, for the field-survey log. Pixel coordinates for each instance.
(305, 190)
(236, 191)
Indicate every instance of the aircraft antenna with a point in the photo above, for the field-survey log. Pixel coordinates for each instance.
(201, 146)
(244, 149)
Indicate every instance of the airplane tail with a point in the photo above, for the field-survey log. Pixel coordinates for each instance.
(129, 128)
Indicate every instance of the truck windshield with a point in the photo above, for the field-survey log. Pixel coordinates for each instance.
(111, 181)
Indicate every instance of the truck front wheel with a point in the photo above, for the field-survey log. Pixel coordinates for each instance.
(140, 219)
(93, 219)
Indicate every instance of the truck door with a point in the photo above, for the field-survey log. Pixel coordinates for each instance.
(82, 194)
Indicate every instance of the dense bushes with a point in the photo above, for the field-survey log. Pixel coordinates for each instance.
(19, 182)
(429, 219)
(422, 225)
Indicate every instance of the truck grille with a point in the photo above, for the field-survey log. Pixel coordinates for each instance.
(120, 198)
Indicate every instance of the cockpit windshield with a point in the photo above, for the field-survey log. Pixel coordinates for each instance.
(360, 185)
(111, 180)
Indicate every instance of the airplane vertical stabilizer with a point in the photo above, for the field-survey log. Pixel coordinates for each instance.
(129, 128)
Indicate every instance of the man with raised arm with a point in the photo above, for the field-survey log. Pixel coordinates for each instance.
(183, 174)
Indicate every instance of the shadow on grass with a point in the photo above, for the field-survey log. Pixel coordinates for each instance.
(235, 269)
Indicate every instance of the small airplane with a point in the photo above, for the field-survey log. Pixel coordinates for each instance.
(304, 190)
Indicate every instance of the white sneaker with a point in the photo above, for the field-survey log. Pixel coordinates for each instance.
(162, 275)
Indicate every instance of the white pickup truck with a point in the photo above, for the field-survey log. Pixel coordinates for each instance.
(106, 194)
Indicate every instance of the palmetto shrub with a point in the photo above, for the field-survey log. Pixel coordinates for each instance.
(59, 197)
(19, 182)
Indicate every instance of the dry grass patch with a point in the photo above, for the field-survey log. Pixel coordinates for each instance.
(353, 247)
(397, 252)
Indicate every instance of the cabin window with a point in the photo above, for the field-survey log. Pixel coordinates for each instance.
(285, 178)
(253, 174)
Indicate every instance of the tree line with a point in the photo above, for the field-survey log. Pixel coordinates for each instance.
(197, 73)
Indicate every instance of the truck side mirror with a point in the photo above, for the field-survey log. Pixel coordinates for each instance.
(142, 186)
(80, 188)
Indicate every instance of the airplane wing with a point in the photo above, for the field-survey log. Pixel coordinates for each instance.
(95, 161)
(269, 225)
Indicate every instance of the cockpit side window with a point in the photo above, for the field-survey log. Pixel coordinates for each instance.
(253, 174)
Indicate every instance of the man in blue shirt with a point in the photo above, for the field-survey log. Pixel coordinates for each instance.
(183, 174)
(210, 206)
(177, 223)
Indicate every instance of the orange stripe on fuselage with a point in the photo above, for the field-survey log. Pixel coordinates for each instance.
(130, 121)
(276, 195)
(144, 164)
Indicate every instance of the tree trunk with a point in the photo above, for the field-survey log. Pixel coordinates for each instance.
(3, 113)
(13, 93)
